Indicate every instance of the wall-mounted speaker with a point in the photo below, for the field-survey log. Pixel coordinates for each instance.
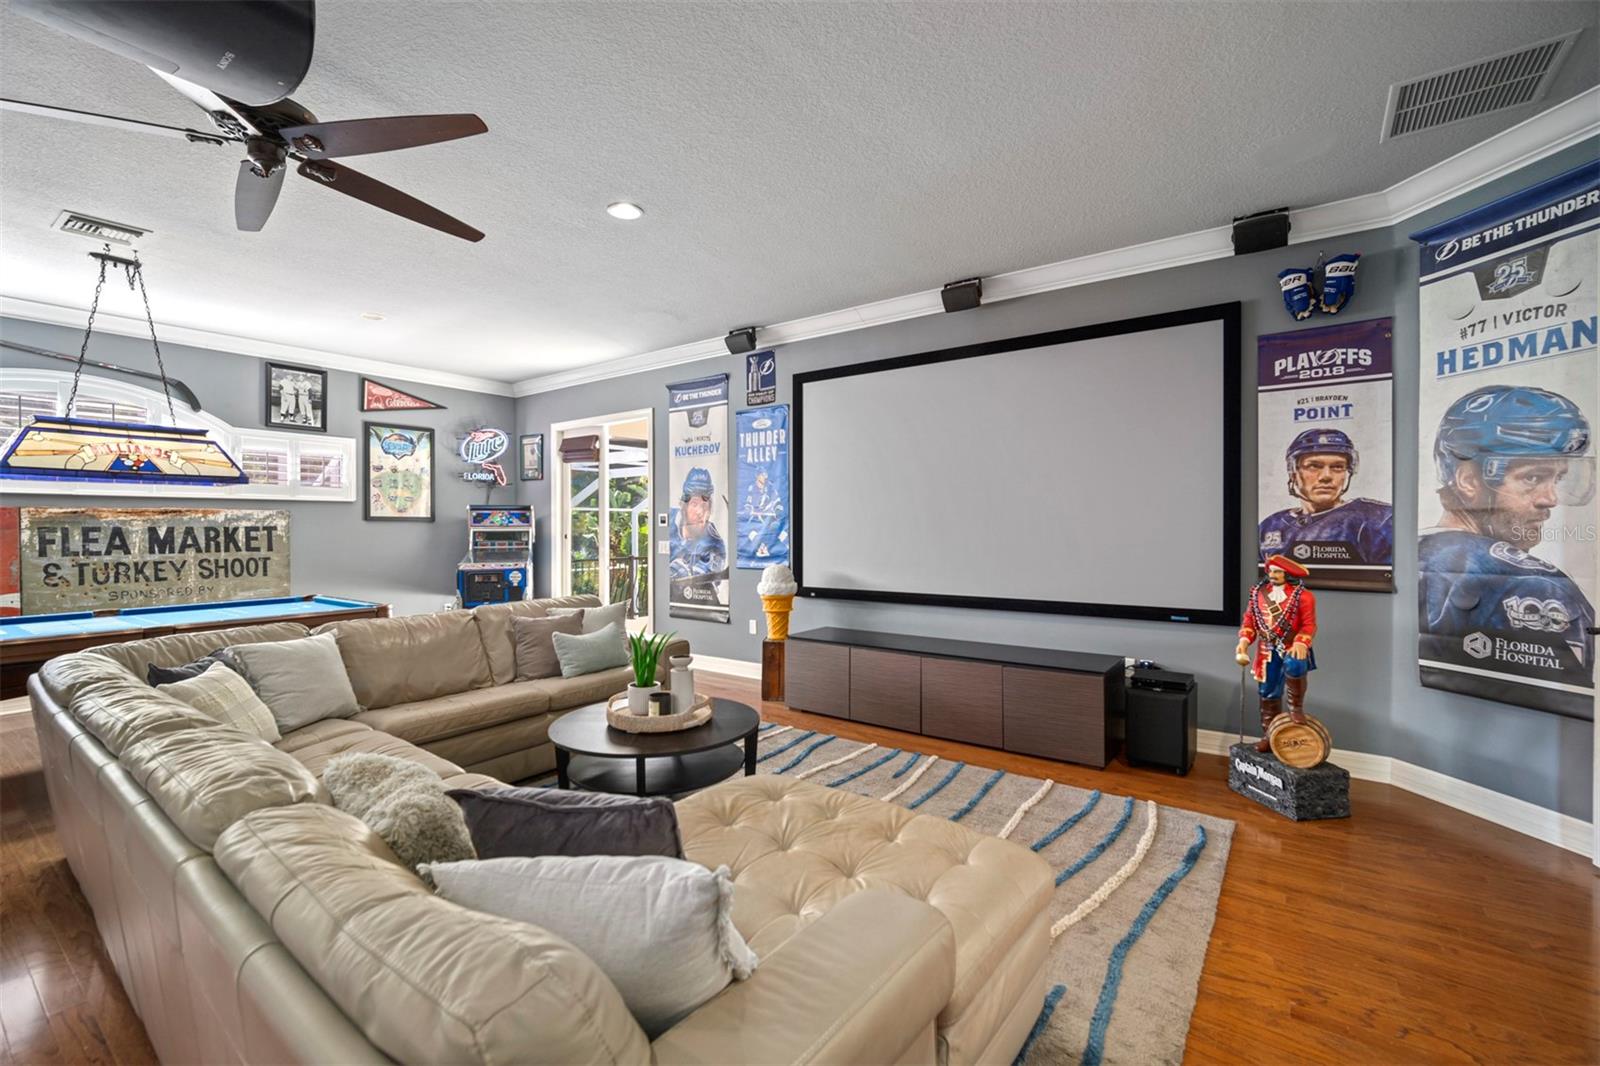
(962, 295)
(1261, 231)
(741, 341)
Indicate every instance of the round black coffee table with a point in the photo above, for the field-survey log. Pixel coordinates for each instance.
(592, 755)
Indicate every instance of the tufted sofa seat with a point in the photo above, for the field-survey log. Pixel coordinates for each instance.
(796, 849)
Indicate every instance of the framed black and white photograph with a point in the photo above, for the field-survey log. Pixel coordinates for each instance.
(296, 398)
(532, 456)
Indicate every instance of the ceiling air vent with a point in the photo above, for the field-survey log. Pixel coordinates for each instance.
(98, 229)
(1510, 79)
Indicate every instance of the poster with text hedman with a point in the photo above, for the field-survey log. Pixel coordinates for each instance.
(1325, 455)
(1506, 545)
(697, 478)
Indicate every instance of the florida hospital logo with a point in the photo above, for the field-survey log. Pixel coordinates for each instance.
(1301, 551)
(1477, 645)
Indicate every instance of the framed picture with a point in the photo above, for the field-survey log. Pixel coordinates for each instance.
(297, 398)
(397, 475)
(532, 456)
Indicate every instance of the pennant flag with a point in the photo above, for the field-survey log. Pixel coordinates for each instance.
(376, 396)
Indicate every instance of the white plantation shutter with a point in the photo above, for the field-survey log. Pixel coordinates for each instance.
(322, 469)
(17, 409)
(265, 464)
(107, 409)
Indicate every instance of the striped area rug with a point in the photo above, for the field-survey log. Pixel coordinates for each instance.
(1136, 886)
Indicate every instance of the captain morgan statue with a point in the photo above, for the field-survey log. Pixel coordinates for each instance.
(1282, 618)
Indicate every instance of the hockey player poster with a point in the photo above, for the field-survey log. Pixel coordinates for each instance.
(697, 476)
(1325, 460)
(1506, 551)
(763, 441)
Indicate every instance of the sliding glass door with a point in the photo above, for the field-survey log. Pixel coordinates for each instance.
(604, 471)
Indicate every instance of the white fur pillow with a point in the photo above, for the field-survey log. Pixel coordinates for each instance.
(403, 803)
(661, 929)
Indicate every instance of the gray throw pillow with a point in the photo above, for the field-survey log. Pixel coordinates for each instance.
(662, 929)
(223, 695)
(403, 803)
(301, 681)
(597, 618)
(528, 822)
(535, 653)
(589, 653)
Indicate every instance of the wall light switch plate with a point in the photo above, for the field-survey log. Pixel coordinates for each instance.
(663, 547)
(752, 627)
(661, 520)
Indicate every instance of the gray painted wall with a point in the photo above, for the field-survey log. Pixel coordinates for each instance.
(333, 550)
(1366, 688)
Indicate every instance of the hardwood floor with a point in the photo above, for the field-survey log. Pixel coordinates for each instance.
(1408, 933)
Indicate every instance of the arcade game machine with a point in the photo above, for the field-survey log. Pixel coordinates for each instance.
(498, 567)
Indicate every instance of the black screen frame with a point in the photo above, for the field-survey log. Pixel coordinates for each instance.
(1229, 314)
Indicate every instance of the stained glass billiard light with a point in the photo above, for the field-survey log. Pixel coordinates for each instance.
(64, 448)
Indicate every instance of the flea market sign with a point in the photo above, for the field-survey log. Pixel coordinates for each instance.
(76, 559)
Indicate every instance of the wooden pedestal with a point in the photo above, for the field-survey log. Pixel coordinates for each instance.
(772, 669)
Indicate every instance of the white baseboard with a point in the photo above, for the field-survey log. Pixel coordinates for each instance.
(1541, 823)
(731, 667)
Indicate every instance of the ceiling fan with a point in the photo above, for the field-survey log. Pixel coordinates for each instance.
(239, 60)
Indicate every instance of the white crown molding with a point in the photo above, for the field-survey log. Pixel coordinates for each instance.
(127, 326)
(1544, 134)
(1541, 823)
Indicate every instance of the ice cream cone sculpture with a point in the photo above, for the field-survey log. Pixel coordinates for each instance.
(777, 608)
(777, 591)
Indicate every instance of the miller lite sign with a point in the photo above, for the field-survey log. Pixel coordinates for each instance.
(482, 447)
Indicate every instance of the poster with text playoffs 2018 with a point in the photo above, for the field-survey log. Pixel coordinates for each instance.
(1508, 397)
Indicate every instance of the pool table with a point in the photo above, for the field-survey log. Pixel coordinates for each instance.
(28, 641)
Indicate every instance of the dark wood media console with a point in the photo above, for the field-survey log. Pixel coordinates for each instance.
(1036, 701)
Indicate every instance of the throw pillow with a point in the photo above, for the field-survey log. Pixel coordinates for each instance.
(528, 822)
(597, 618)
(222, 694)
(155, 676)
(302, 681)
(535, 653)
(589, 653)
(661, 929)
(403, 803)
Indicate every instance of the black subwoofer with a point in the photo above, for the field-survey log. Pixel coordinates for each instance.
(1162, 724)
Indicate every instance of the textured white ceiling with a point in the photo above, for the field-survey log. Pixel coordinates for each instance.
(792, 158)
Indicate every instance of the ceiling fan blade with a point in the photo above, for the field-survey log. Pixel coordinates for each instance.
(353, 183)
(93, 119)
(359, 136)
(254, 196)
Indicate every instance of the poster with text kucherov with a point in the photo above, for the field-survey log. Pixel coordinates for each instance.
(1325, 462)
(1506, 549)
(697, 478)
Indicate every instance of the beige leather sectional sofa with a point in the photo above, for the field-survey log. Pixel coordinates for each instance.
(252, 922)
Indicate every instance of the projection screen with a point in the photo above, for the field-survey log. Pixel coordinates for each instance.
(1087, 471)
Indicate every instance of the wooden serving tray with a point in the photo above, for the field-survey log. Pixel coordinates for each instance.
(618, 715)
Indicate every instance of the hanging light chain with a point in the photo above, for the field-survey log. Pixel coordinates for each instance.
(83, 352)
(137, 271)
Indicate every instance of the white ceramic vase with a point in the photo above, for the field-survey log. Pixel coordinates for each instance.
(682, 684)
(639, 698)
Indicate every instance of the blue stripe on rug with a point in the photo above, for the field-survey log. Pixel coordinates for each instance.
(871, 766)
(1099, 849)
(1067, 823)
(798, 759)
(934, 791)
(1095, 1049)
(764, 728)
(1050, 1001)
(781, 748)
(977, 797)
(909, 764)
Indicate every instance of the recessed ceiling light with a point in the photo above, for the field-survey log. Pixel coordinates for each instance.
(372, 316)
(624, 210)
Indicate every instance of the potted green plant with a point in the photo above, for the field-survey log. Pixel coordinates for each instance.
(644, 653)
